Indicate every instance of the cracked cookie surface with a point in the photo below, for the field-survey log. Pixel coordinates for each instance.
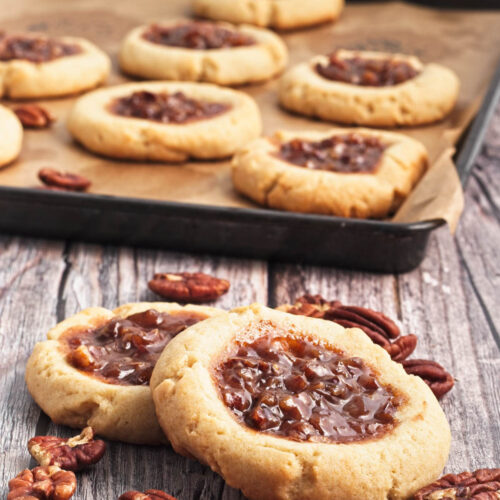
(153, 129)
(55, 72)
(94, 368)
(202, 51)
(194, 411)
(347, 188)
(425, 95)
(280, 14)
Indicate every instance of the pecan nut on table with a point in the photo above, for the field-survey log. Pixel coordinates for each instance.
(73, 454)
(34, 116)
(147, 495)
(483, 484)
(65, 181)
(381, 330)
(43, 483)
(433, 374)
(188, 287)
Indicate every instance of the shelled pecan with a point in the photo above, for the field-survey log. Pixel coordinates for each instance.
(34, 116)
(188, 287)
(381, 329)
(433, 374)
(147, 495)
(483, 484)
(42, 483)
(63, 180)
(73, 454)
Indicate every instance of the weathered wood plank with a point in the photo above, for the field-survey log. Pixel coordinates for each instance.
(30, 273)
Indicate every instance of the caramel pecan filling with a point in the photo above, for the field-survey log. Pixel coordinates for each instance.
(346, 153)
(34, 49)
(197, 35)
(161, 107)
(367, 72)
(125, 350)
(303, 389)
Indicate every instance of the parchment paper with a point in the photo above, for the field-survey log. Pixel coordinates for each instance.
(466, 41)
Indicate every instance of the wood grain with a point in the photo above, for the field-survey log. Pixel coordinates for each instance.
(449, 302)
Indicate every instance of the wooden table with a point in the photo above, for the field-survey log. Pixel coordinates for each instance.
(450, 302)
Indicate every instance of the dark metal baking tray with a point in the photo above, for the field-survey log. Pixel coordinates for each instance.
(256, 233)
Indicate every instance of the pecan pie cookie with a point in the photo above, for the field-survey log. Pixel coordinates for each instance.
(11, 136)
(370, 88)
(280, 14)
(203, 51)
(95, 367)
(165, 121)
(346, 172)
(34, 65)
(293, 408)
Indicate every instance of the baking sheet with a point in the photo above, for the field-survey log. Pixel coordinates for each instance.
(454, 38)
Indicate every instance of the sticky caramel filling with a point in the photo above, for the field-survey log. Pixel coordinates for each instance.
(176, 108)
(34, 49)
(345, 153)
(124, 351)
(366, 72)
(197, 35)
(302, 389)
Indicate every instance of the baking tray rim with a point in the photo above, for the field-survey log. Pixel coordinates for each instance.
(469, 145)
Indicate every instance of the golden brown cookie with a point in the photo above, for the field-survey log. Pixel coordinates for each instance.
(280, 14)
(11, 136)
(370, 88)
(347, 172)
(294, 408)
(203, 51)
(94, 369)
(33, 66)
(165, 121)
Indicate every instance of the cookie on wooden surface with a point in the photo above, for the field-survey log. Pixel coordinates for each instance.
(165, 121)
(370, 88)
(203, 51)
(94, 369)
(347, 172)
(34, 66)
(296, 408)
(280, 14)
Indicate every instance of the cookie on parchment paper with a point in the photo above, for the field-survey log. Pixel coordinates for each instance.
(206, 51)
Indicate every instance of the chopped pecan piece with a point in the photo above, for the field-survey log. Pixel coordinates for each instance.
(42, 483)
(67, 180)
(381, 329)
(483, 484)
(34, 116)
(188, 287)
(74, 454)
(147, 495)
(433, 374)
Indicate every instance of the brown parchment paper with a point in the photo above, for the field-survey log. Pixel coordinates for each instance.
(466, 41)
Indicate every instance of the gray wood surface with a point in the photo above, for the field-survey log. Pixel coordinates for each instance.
(449, 302)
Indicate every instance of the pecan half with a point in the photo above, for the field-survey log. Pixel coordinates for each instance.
(74, 454)
(188, 287)
(483, 484)
(42, 483)
(433, 374)
(381, 329)
(147, 495)
(34, 116)
(63, 180)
